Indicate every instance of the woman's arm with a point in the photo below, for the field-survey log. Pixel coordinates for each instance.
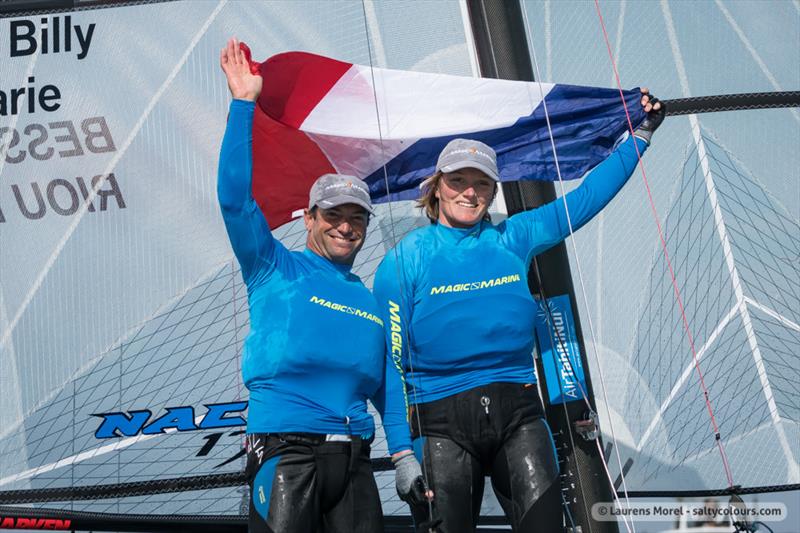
(535, 231)
(393, 298)
(532, 232)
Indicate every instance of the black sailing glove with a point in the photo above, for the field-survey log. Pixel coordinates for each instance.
(653, 120)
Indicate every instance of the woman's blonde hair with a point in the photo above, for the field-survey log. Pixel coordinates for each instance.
(428, 201)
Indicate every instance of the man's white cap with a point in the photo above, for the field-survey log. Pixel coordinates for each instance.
(331, 190)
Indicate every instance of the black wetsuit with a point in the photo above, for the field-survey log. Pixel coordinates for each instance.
(300, 483)
(495, 430)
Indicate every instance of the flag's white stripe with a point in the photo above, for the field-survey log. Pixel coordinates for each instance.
(415, 105)
(359, 157)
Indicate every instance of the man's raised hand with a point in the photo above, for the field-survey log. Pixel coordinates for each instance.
(243, 84)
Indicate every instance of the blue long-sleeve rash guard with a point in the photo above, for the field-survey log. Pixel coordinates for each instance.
(456, 301)
(315, 351)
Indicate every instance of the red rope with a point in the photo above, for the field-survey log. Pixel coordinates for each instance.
(669, 263)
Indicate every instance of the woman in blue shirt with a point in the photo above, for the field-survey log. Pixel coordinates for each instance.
(459, 319)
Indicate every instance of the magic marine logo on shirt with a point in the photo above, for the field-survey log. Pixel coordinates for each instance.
(333, 306)
(397, 349)
(475, 285)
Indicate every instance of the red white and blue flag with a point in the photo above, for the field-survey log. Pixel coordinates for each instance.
(317, 115)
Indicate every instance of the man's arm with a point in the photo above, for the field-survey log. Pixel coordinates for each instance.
(248, 231)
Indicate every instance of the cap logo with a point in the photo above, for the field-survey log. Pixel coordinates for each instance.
(470, 151)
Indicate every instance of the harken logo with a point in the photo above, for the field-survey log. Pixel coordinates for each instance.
(24, 522)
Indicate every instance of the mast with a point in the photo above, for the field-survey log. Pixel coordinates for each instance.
(502, 50)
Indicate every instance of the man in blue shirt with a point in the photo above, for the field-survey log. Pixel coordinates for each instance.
(315, 352)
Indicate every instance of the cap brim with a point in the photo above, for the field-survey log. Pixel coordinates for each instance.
(471, 164)
(336, 201)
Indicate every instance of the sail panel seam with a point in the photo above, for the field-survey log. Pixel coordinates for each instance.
(753, 53)
(685, 375)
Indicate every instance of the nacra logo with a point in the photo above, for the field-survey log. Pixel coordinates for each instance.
(19, 522)
(132, 423)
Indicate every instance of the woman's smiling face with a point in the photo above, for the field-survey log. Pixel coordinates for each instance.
(464, 197)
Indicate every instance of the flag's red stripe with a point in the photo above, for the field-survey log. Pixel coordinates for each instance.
(285, 164)
(295, 82)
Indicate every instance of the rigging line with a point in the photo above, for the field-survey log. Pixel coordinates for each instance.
(724, 238)
(398, 273)
(583, 289)
(522, 197)
(580, 386)
(561, 341)
(675, 287)
(601, 217)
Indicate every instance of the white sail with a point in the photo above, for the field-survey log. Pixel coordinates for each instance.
(129, 298)
(726, 190)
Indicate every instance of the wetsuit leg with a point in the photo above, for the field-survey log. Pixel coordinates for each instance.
(282, 479)
(358, 507)
(455, 477)
(525, 480)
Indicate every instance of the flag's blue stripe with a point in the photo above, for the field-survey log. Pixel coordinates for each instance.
(586, 121)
